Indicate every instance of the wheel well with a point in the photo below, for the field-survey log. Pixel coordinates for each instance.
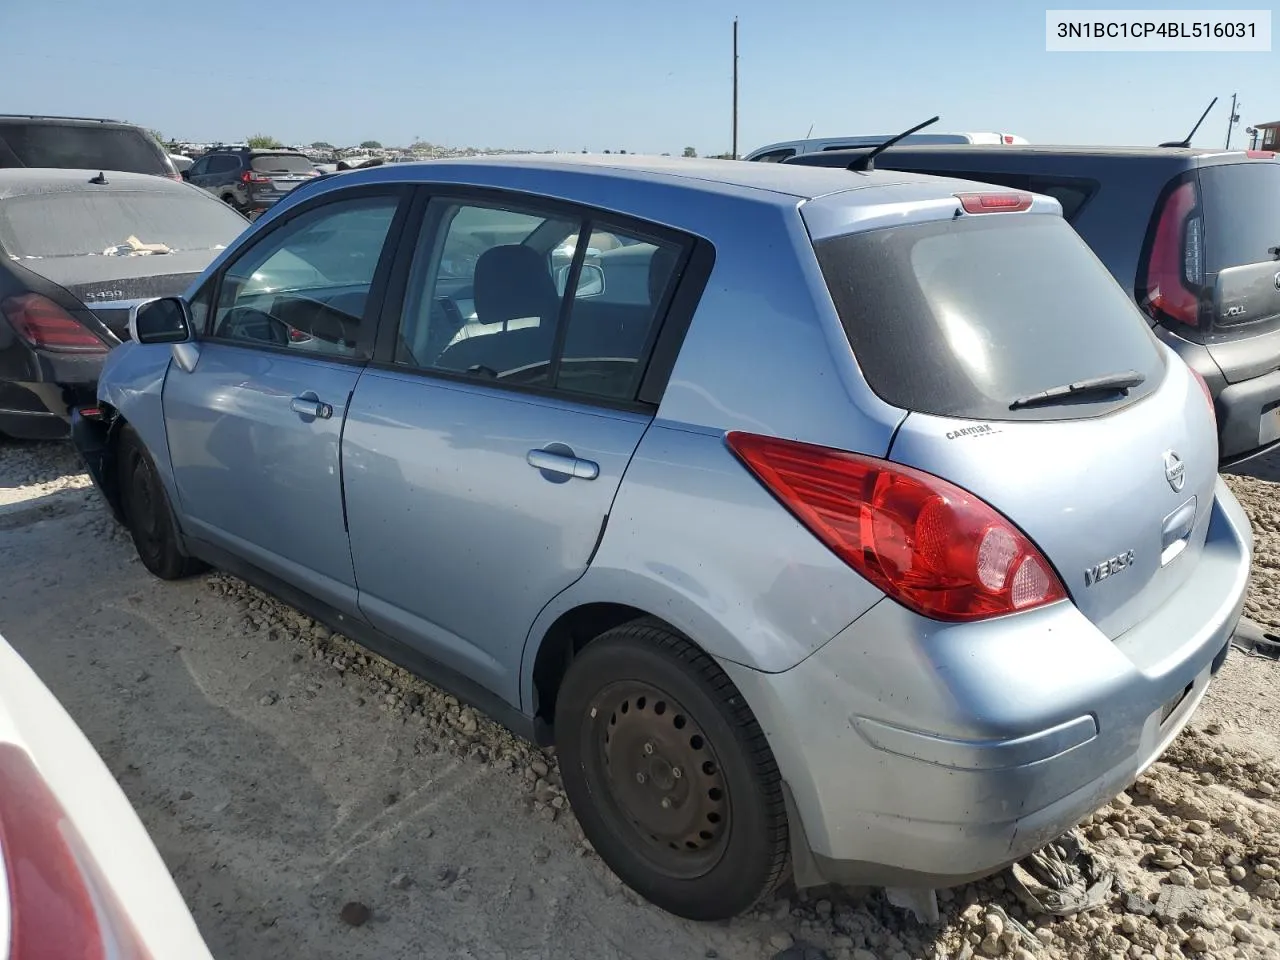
(572, 631)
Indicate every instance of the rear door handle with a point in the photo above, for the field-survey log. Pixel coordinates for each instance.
(564, 464)
(310, 406)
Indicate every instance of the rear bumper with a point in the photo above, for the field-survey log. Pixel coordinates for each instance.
(40, 411)
(918, 753)
(1248, 418)
(92, 440)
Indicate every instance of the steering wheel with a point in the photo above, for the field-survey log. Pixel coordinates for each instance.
(250, 323)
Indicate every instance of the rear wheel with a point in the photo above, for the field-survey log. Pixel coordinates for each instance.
(669, 773)
(146, 511)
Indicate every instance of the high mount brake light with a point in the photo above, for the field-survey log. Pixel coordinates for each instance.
(43, 324)
(994, 202)
(931, 546)
(1176, 261)
(61, 907)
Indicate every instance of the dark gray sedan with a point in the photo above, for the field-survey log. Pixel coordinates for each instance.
(78, 248)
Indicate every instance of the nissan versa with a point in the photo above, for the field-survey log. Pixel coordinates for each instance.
(848, 524)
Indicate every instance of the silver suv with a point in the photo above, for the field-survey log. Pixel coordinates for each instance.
(856, 522)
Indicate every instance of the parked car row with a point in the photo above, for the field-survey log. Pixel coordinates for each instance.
(843, 524)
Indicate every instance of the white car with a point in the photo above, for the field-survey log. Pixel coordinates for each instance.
(778, 152)
(79, 876)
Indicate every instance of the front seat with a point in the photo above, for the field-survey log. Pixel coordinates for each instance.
(516, 307)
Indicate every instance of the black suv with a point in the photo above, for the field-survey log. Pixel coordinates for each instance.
(250, 180)
(81, 143)
(1192, 235)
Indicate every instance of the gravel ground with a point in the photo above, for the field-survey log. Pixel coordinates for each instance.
(314, 801)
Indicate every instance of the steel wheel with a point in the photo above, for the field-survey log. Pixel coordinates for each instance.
(664, 777)
(669, 773)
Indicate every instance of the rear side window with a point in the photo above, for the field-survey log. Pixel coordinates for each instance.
(962, 317)
(281, 163)
(775, 156)
(1241, 204)
(80, 147)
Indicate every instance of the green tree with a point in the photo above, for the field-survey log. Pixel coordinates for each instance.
(261, 141)
(689, 152)
(371, 145)
(322, 145)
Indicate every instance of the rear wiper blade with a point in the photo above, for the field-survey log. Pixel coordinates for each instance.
(1081, 389)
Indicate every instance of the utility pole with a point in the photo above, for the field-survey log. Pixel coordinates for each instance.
(1232, 120)
(735, 88)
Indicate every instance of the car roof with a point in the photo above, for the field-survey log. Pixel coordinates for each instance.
(62, 121)
(781, 182)
(26, 181)
(1038, 149)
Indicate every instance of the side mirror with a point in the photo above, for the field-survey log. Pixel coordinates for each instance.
(590, 281)
(164, 320)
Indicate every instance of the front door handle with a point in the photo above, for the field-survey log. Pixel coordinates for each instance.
(563, 464)
(310, 406)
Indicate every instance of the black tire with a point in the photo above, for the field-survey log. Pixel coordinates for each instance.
(146, 510)
(704, 845)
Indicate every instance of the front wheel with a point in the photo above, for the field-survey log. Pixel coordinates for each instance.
(669, 773)
(146, 511)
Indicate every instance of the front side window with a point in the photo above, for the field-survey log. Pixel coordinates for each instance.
(304, 285)
(488, 294)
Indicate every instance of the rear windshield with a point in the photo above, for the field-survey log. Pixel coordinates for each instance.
(281, 163)
(1241, 203)
(83, 222)
(80, 147)
(963, 317)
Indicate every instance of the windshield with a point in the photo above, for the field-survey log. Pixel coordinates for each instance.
(71, 146)
(281, 163)
(963, 317)
(87, 222)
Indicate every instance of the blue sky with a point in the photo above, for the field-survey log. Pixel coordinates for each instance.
(645, 77)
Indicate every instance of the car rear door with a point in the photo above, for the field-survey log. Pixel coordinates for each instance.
(977, 324)
(484, 446)
(254, 424)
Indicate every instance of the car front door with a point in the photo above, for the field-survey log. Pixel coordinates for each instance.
(484, 446)
(254, 426)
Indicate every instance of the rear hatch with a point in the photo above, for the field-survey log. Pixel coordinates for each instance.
(1210, 267)
(974, 325)
(109, 245)
(281, 171)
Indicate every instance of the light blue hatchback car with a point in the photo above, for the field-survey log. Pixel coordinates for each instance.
(851, 527)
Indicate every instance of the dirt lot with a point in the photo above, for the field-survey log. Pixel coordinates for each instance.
(285, 774)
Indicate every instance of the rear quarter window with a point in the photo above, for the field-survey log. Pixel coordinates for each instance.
(86, 147)
(962, 317)
(1241, 204)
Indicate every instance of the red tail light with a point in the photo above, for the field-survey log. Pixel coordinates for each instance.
(1175, 266)
(929, 545)
(174, 176)
(60, 906)
(1007, 139)
(46, 326)
(250, 176)
(994, 202)
(1259, 154)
